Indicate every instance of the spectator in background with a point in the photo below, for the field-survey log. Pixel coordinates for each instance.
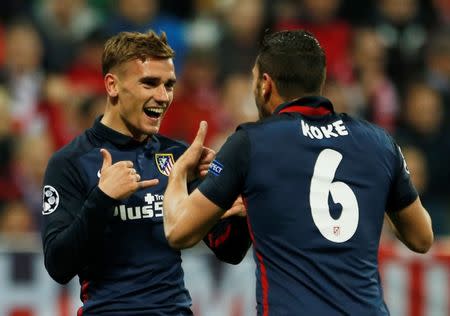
(442, 9)
(30, 159)
(437, 64)
(64, 24)
(243, 28)
(320, 17)
(142, 15)
(418, 167)
(357, 12)
(88, 110)
(403, 29)
(422, 126)
(8, 191)
(196, 98)
(22, 75)
(11, 10)
(335, 91)
(84, 73)
(16, 220)
(372, 91)
(58, 106)
(238, 105)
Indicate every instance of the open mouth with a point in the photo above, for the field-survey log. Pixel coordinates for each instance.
(154, 112)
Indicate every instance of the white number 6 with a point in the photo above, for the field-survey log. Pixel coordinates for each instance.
(336, 230)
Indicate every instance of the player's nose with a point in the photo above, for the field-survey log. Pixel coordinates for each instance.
(161, 94)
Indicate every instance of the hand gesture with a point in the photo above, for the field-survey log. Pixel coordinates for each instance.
(206, 158)
(237, 209)
(120, 180)
(196, 158)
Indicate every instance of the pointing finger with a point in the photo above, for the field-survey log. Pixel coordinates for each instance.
(107, 159)
(148, 183)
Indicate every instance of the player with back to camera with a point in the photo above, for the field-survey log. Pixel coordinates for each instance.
(103, 193)
(317, 185)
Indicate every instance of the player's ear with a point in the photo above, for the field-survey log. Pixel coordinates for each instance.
(266, 86)
(110, 81)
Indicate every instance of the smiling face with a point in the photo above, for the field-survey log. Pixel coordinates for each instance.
(140, 92)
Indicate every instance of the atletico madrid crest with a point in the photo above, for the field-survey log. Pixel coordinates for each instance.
(165, 163)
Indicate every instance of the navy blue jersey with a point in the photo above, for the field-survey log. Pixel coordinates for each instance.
(118, 248)
(317, 185)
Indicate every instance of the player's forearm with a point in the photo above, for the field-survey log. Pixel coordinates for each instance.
(176, 192)
(70, 242)
(63, 255)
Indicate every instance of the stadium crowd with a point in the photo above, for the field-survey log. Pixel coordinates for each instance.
(388, 62)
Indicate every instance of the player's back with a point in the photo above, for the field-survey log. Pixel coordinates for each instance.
(316, 190)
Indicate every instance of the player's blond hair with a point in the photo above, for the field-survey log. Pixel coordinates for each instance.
(127, 46)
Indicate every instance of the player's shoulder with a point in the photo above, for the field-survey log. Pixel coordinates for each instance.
(367, 130)
(170, 144)
(79, 146)
(273, 119)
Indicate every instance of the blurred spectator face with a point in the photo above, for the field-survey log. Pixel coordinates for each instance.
(200, 69)
(438, 53)
(15, 219)
(5, 114)
(321, 10)
(23, 48)
(424, 109)
(368, 50)
(138, 11)
(89, 110)
(245, 18)
(398, 11)
(58, 90)
(335, 92)
(32, 156)
(238, 99)
(442, 8)
(64, 10)
(416, 162)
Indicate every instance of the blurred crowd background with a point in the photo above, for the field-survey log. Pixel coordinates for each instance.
(388, 62)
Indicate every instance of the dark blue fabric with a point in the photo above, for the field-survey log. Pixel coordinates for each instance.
(272, 163)
(118, 248)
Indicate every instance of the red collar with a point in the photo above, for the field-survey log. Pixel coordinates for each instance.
(306, 110)
(311, 105)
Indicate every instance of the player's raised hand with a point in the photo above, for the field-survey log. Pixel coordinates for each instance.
(120, 180)
(189, 162)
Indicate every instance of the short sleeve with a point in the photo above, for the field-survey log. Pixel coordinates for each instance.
(402, 192)
(226, 174)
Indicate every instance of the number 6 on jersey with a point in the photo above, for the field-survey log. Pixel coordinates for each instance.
(336, 230)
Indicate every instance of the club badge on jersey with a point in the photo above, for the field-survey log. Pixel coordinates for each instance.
(165, 163)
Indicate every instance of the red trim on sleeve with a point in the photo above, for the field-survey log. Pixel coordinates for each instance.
(216, 242)
(83, 295)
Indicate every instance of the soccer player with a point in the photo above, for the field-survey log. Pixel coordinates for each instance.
(103, 193)
(317, 185)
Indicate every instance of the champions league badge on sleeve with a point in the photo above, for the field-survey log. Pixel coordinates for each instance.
(215, 168)
(165, 163)
(50, 200)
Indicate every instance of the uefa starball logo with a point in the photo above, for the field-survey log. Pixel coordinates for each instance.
(50, 200)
